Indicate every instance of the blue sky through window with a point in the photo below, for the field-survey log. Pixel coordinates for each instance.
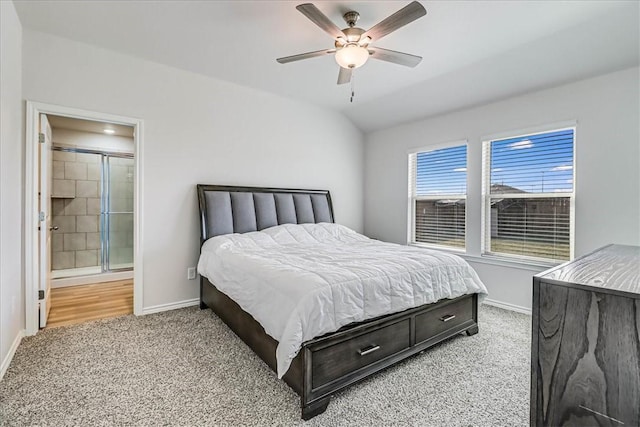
(442, 171)
(541, 163)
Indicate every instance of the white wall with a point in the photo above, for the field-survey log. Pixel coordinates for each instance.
(198, 130)
(607, 167)
(11, 160)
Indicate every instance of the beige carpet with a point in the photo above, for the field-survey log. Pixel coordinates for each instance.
(185, 367)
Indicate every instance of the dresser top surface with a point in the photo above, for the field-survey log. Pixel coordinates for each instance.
(614, 267)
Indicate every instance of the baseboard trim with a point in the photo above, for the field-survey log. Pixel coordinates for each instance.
(89, 280)
(12, 351)
(170, 306)
(507, 306)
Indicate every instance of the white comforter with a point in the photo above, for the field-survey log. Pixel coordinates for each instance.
(302, 281)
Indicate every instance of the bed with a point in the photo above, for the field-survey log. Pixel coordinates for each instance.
(323, 360)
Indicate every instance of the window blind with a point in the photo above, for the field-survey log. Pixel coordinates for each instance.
(529, 194)
(442, 171)
(540, 163)
(437, 190)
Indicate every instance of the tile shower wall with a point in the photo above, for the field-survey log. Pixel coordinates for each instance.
(76, 210)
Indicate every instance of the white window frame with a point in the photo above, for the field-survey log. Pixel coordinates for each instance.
(485, 237)
(412, 198)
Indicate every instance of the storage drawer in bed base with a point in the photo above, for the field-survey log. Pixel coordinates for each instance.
(413, 319)
(397, 336)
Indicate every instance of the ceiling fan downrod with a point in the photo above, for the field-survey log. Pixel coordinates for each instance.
(351, 18)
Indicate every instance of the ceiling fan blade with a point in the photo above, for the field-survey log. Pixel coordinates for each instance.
(401, 58)
(307, 55)
(344, 76)
(404, 16)
(321, 20)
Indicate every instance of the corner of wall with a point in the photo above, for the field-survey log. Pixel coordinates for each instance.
(12, 316)
(6, 360)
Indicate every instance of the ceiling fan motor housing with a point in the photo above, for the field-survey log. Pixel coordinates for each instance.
(353, 36)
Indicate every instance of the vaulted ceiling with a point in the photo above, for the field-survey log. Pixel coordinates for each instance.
(474, 51)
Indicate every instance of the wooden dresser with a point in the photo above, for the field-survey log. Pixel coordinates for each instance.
(585, 353)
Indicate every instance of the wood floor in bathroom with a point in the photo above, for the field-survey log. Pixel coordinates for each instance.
(77, 304)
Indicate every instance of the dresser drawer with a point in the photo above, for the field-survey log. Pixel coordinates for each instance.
(441, 319)
(332, 362)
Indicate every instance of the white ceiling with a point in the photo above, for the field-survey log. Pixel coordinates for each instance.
(474, 51)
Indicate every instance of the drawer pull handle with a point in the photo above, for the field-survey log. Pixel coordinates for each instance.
(368, 350)
(448, 317)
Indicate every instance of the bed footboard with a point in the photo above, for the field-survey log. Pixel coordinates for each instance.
(334, 361)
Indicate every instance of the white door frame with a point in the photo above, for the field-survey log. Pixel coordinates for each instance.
(34, 109)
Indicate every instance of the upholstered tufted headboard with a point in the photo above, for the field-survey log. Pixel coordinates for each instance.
(229, 209)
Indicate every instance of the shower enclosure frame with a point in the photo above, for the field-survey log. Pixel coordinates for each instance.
(105, 199)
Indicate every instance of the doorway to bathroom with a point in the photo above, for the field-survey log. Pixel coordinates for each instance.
(82, 244)
(92, 214)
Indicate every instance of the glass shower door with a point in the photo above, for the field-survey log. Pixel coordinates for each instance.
(77, 247)
(118, 212)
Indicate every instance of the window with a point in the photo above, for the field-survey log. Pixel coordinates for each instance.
(529, 196)
(437, 196)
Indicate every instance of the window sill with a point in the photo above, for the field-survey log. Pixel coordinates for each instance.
(531, 265)
(537, 266)
(453, 250)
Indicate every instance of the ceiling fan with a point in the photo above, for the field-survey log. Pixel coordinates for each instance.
(353, 45)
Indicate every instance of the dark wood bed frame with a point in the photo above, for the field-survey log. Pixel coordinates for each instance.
(336, 360)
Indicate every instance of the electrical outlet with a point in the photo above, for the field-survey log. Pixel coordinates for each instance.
(191, 273)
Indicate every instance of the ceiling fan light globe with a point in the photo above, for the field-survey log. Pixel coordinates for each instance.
(352, 56)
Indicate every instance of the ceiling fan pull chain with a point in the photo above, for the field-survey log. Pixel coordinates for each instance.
(353, 92)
